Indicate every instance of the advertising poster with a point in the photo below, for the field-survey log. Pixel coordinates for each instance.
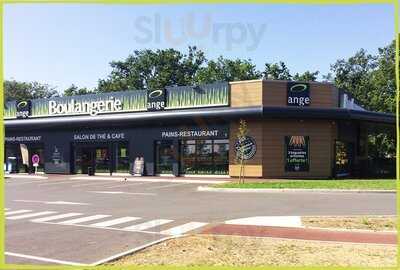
(297, 154)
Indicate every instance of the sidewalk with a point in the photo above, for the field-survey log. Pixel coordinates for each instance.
(303, 234)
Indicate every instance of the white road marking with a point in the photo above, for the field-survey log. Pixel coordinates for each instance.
(128, 184)
(17, 212)
(147, 225)
(6, 209)
(184, 228)
(166, 186)
(11, 183)
(31, 215)
(83, 219)
(41, 259)
(275, 221)
(54, 202)
(55, 182)
(122, 192)
(93, 184)
(116, 221)
(45, 219)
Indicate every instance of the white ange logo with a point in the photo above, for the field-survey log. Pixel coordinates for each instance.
(298, 87)
(22, 104)
(155, 93)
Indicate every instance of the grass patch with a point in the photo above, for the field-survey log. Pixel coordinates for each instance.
(379, 184)
(375, 223)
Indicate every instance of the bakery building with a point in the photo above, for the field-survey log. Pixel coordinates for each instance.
(295, 130)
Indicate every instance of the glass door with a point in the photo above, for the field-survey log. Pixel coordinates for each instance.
(343, 158)
(102, 160)
(165, 156)
(83, 160)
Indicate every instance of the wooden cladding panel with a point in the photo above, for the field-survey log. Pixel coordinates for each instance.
(321, 134)
(254, 165)
(246, 93)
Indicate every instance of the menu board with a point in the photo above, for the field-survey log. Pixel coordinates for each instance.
(297, 154)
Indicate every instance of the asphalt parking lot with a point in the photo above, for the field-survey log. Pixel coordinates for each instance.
(72, 220)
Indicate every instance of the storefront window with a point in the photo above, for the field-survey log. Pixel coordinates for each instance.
(204, 157)
(14, 162)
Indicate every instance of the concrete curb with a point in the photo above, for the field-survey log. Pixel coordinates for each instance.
(24, 176)
(289, 190)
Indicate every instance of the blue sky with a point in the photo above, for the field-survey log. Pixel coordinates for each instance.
(65, 44)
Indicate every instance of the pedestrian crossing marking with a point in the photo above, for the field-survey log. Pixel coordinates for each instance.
(116, 221)
(147, 225)
(31, 215)
(45, 219)
(106, 224)
(83, 219)
(184, 228)
(17, 212)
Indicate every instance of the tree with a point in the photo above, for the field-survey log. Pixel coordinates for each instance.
(224, 69)
(371, 80)
(306, 76)
(14, 90)
(277, 71)
(73, 90)
(240, 151)
(147, 69)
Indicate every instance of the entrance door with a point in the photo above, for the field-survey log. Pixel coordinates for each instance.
(83, 159)
(165, 156)
(102, 160)
(343, 159)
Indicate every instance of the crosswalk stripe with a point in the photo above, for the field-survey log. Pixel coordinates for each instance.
(45, 219)
(114, 221)
(183, 228)
(147, 225)
(17, 212)
(31, 215)
(83, 219)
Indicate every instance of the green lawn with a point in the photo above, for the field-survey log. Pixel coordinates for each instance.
(383, 184)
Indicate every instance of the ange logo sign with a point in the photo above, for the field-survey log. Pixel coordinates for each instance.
(298, 94)
(23, 109)
(156, 100)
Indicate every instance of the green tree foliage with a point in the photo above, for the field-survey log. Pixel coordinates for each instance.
(369, 78)
(224, 69)
(15, 90)
(147, 69)
(74, 90)
(280, 71)
(307, 76)
(277, 71)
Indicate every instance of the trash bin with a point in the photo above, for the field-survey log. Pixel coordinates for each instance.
(90, 171)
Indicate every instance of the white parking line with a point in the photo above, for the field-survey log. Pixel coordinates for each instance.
(114, 221)
(183, 228)
(54, 202)
(128, 184)
(61, 182)
(31, 215)
(45, 219)
(83, 219)
(122, 192)
(93, 184)
(17, 212)
(149, 224)
(41, 259)
(166, 186)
